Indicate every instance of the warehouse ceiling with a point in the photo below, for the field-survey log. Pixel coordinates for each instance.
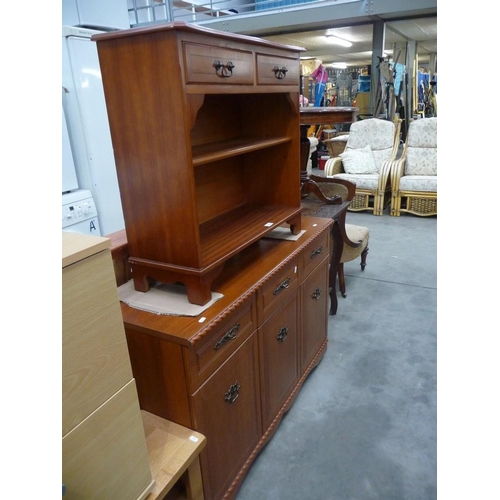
(422, 30)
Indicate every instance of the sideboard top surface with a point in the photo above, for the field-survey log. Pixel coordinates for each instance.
(242, 275)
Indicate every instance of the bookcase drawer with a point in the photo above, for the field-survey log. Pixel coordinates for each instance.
(273, 70)
(212, 64)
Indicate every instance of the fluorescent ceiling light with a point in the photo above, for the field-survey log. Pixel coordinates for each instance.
(339, 65)
(338, 41)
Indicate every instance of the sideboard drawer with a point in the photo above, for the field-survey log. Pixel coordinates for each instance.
(277, 289)
(220, 342)
(314, 254)
(236, 66)
(273, 70)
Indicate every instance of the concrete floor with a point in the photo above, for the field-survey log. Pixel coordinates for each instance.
(364, 424)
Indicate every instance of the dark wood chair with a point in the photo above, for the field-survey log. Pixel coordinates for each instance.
(355, 238)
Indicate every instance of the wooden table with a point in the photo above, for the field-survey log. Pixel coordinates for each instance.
(318, 116)
(173, 455)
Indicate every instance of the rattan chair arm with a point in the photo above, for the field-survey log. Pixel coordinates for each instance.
(397, 168)
(385, 171)
(334, 166)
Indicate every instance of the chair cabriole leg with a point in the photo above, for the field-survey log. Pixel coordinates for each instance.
(364, 254)
(342, 280)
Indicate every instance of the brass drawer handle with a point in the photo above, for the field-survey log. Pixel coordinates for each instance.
(224, 70)
(280, 73)
(282, 286)
(318, 251)
(230, 335)
(232, 394)
(316, 294)
(283, 334)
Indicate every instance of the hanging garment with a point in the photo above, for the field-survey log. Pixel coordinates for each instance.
(321, 76)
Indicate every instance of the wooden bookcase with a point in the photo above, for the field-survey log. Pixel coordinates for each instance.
(205, 131)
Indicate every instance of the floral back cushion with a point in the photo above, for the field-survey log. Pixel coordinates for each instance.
(359, 161)
(421, 152)
(377, 134)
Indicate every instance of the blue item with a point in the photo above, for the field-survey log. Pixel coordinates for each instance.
(319, 90)
(364, 83)
(267, 4)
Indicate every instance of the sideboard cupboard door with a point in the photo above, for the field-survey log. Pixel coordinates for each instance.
(314, 298)
(227, 411)
(279, 355)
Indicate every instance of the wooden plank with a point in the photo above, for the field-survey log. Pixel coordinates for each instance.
(173, 450)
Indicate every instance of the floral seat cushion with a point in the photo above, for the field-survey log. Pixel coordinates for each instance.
(362, 181)
(427, 183)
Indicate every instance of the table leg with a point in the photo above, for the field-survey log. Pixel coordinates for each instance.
(337, 245)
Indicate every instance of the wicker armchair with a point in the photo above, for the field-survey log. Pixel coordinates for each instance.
(371, 146)
(414, 175)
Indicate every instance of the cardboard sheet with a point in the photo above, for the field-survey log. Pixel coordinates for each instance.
(164, 299)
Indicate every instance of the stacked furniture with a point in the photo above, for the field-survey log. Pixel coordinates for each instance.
(205, 131)
(414, 175)
(104, 453)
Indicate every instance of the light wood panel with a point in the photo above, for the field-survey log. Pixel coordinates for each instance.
(173, 455)
(95, 360)
(105, 457)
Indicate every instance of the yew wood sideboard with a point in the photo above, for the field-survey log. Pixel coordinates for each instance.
(232, 372)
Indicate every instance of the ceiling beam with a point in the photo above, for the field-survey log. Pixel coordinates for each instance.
(327, 14)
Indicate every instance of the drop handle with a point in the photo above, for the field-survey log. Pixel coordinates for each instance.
(224, 70)
(230, 335)
(282, 286)
(316, 294)
(318, 251)
(282, 335)
(280, 73)
(232, 394)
